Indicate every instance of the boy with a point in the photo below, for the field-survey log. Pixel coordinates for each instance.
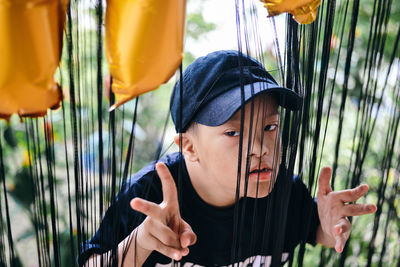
(207, 226)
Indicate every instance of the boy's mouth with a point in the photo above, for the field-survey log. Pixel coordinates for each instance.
(263, 174)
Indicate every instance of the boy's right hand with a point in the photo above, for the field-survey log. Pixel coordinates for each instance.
(164, 230)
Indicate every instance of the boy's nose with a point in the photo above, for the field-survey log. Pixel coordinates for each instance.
(260, 146)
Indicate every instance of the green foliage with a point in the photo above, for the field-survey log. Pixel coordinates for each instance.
(10, 137)
(22, 189)
(65, 247)
(196, 26)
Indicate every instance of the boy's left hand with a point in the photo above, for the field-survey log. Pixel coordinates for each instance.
(334, 208)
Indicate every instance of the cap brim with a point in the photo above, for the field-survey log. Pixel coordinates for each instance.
(220, 109)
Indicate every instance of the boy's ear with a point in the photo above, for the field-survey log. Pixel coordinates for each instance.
(188, 148)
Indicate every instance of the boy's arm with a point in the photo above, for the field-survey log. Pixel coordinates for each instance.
(334, 208)
(134, 256)
(163, 229)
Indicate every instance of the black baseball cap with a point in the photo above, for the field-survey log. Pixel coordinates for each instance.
(212, 91)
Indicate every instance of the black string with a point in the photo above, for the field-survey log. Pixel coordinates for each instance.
(8, 220)
(115, 221)
(73, 121)
(393, 127)
(35, 189)
(3, 224)
(71, 227)
(128, 160)
(48, 136)
(99, 12)
(38, 160)
(181, 162)
(236, 226)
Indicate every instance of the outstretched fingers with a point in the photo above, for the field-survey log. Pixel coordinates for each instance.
(170, 194)
(351, 195)
(358, 209)
(146, 207)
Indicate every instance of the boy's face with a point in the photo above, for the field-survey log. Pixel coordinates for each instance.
(217, 151)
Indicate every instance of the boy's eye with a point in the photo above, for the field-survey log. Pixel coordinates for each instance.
(271, 127)
(232, 133)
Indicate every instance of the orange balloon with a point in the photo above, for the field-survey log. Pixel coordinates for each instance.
(30, 49)
(144, 44)
(303, 11)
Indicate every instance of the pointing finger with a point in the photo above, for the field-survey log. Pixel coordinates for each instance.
(358, 209)
(324, 186)
(354, 194)
(168, 183)
(146, 207)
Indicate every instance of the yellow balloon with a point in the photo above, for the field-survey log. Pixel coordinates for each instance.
(303, 11)
(30, 49)
(144, 44)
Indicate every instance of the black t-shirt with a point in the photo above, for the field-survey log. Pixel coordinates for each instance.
(248, 232)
